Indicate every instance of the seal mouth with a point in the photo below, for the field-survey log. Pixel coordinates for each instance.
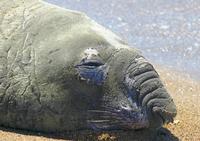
(111, 118)
(166, 115)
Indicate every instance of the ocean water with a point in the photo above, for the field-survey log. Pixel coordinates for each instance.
(166, 31)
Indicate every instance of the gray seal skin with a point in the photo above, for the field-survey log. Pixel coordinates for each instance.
(61, 71)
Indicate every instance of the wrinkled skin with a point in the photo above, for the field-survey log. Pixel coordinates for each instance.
(61, 71)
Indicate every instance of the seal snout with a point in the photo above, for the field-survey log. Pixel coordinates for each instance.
(151, 93)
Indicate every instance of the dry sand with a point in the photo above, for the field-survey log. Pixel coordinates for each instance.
(186, 94)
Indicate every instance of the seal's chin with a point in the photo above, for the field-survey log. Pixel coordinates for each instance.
(121, 118)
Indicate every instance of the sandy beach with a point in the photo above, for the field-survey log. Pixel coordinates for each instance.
(186, 94)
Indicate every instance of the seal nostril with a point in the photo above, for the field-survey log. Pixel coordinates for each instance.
(166, 112)
(166, 116)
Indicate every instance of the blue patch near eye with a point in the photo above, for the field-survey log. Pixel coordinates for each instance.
(94, 75)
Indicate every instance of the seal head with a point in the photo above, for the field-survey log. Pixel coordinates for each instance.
(133, 96)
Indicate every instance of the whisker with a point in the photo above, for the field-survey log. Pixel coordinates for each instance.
(109, 108)
(98, 121)
(107, 112)
(104, 112)
(99, 111)
(106, 117)
(104, 122)
(109, 118)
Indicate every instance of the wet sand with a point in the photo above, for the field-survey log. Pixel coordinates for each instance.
(186, 127)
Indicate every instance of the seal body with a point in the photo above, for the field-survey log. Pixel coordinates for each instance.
(60, 71)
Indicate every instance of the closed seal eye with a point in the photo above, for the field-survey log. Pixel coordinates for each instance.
(93, 71)
(90, 62)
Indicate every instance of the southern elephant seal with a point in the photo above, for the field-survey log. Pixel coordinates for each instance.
(60, 71)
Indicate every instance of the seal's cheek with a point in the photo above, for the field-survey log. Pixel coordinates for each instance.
(92, 72)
